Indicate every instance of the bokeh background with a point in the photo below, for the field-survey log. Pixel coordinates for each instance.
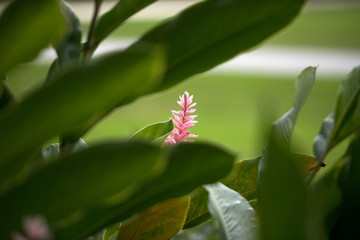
(236, 102)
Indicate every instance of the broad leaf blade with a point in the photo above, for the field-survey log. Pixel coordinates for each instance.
(79, 99)
(99, 175)
(161, 222)
(281, 194)
(212, 32)
(236, 217)
(26, 27)
(116, 16)
(189, 166)
(154, 131)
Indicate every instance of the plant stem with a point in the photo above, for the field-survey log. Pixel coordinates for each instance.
(90, 41)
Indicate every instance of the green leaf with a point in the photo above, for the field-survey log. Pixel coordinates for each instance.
(154, 131)
(26, 27)
(236, 217)
(281, 188)
(243, 179)
(6, 97)
(97, 176)
(284, 126)
(189, 166)
(212, 32)
(116, 16)
(161, 222)
(347, 111)
(79, 99)
(281, 194)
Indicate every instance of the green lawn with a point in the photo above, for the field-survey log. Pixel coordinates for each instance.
(319, 27)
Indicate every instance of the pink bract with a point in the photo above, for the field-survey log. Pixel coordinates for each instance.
(182, 120)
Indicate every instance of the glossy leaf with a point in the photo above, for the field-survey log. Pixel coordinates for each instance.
(161, 222)
(212, 32)
(189, 166)
(26, 27)
(347, 111)
(284, 126)
(236, 217)
(154, 131)
(243, 179)
(63, 189)
(80, 98)
(116, 16)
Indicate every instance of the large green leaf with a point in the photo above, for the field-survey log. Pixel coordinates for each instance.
(154, 131)
(281, 194)
(80, 98)
(100, 175)
(116, 16)
(26, 27)
(213, 31)
(236, 217)
(189, 166)
(161, 222)
(243, 179)
(347, 111)
(281, 188)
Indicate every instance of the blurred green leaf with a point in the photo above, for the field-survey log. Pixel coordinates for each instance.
(284, 126)
(347, 226)
(26, 27)
(281, 188)
(189, 166)
(243, 179)
(212, 32)
(80, 98)
(281, 194)
(236, 217)
(116, 16)
(161, 222)
(96, 176)
(154, 131)
(347, 111)
(51, 152)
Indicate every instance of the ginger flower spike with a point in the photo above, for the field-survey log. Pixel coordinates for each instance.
(182, 121)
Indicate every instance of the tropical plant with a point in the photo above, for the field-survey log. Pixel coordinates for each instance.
(139, 188)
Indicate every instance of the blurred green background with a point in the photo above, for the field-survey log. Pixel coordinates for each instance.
(235, 110)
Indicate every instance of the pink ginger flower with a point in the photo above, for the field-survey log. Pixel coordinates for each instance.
(35, 228)
(182, 121)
